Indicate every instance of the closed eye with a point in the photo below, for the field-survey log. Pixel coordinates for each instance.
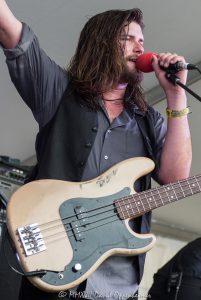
(131, 38)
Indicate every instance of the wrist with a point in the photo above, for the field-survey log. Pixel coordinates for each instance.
(177, 113)
(177, 101)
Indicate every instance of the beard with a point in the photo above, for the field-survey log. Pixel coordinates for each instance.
(132, 77)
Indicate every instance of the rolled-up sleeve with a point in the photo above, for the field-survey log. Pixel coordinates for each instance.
(38, 79)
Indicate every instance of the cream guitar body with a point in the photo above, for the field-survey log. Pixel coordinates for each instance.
(63, 231)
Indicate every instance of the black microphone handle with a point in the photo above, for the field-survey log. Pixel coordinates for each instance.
(179, 66)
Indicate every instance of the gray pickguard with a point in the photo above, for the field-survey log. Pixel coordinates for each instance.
(93, 228)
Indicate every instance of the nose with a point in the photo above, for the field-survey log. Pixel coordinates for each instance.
(138, 48)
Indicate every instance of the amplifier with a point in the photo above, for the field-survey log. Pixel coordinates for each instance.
(12, 176)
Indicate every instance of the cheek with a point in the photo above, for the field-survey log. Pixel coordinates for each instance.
(128, 49)
(125, 51)
(124, 48)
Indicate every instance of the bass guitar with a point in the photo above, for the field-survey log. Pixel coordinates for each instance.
(63, 231)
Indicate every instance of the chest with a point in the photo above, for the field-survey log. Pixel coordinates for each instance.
(114, 142)
(113, 110)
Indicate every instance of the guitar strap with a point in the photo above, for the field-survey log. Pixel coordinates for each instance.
(146, 125)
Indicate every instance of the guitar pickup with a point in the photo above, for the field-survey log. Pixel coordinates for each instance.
(78, 233)
(81, 214)
(31, 239)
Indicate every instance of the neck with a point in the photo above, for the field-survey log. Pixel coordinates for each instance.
(116, 94)
(122, 86)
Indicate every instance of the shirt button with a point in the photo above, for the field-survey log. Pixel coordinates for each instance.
(106, 157)
(81, 164)
(88, 145)
(108, 131)
(95, 128)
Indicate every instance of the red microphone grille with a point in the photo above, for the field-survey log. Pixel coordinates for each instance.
(144, 62)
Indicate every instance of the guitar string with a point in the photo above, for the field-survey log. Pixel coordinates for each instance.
(83, 231)
(139, 211)
(130, 197)
(64, 232)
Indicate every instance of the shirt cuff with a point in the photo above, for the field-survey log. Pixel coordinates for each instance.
(25, 41)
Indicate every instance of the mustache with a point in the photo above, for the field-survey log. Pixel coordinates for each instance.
(131, 58)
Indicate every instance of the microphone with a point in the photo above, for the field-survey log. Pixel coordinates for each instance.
(144, 64)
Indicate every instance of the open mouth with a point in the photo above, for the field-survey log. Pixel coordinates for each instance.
(131, 59)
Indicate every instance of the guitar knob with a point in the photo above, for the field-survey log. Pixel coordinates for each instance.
(77, 267)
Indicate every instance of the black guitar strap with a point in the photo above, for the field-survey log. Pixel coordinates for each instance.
(146, 125)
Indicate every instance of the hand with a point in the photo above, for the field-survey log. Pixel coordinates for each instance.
(164, 60)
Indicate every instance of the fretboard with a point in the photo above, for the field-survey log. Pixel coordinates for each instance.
(139, 203)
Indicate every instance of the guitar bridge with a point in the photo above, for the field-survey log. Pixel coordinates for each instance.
(31, 239)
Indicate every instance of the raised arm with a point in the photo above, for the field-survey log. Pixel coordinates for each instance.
(10, 27)
(177, 153)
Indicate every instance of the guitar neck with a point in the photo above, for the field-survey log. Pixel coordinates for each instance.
(140, 203)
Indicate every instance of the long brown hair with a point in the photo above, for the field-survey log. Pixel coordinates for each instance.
(97, 64)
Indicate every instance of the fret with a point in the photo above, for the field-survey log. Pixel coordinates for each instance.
(182, 189)
(131, 206)
(142, 204)
(173, 189)
(165, 189)
(148, 200)
(170, 195)
(161, 199)
(121, 210)
(153, 198)
(189, 187)
(195, 185)
(128, 206)
(197, 182)
(167, 194)
(125, 208)
(179, 188)
(159, 196)
(137, 204)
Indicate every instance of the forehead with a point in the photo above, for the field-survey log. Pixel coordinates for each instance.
(133, 29)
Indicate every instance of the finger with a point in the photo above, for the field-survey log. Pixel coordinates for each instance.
(166, 58)
(155, 63)
(162, 57)
(169, 58)
(177, 58)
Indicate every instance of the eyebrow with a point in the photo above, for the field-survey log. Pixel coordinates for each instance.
(131, 36)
